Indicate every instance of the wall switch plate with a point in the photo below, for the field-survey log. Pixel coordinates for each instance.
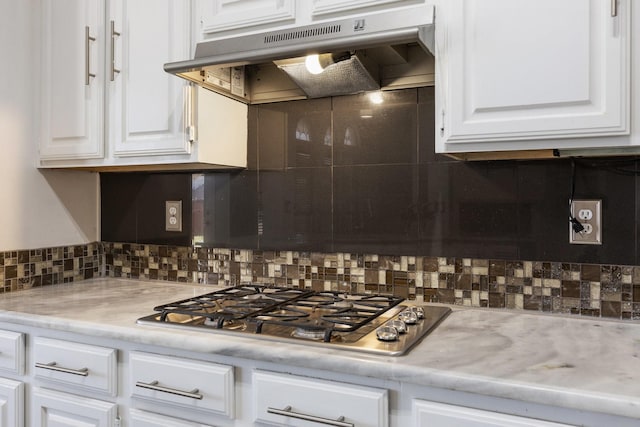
(589, 214)
(173, 215)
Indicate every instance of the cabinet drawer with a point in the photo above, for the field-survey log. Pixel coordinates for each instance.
(149, 419)
(82, 366)
(12, 352)
(434, 414)
(190, 384)
(282, 399)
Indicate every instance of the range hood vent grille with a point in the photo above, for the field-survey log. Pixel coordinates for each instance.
(281, 36)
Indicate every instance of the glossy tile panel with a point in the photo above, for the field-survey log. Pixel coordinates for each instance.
(375, 209)
(295, 209)
(368, 132)
(229, 209)
(469, 209)
(133, 207)
(291, 134)
(544, 188)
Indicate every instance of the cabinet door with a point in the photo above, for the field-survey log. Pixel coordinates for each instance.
(11, 403)
(516, 69)
(12, 352)
(147, 106)
(51, 409)
(225, 15)
(72, 79)
(431, 414)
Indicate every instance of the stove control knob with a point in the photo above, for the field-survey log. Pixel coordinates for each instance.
(400, 326)
(409, 317)
(419, 311)
(387, 333)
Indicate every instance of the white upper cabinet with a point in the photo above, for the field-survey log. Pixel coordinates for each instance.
(220, 18)
(225, 15)
(108, 104)
(325, 7)
(512, 71)
(72, 73)
(147, 108)
(91, 60)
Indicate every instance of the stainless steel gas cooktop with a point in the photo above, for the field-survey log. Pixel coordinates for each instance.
(378, 324)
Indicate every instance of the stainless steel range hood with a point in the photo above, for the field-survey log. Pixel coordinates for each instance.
(377, 50)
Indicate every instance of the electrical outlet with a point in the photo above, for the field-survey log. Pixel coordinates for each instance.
(589, 214)
(173, 215)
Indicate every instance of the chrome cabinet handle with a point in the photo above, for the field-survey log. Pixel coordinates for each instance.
(153, 385)
(614, 8)
(87, 56)
(53, 366)
(114, 34)
(287, 412)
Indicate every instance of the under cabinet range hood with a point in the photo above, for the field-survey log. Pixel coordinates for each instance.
(372, 51)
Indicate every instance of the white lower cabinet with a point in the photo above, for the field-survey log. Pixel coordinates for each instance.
(55, 409)
(11, 403)
(12, 357)
(149, 419)
(433, 414)
(193, 389)
(289, 400)
(75, 380)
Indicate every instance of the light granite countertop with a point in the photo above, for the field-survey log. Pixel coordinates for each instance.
(577, 363)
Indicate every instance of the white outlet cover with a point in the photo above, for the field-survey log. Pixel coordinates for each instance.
(589, 214)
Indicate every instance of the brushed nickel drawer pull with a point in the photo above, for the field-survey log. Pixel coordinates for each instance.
(53, 366)
(287, 412)
(153, 385)
(614, 8)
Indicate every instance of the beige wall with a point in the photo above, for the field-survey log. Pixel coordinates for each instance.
(37, 208)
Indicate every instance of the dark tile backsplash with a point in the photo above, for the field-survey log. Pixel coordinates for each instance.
(133, 207)
(343, 175)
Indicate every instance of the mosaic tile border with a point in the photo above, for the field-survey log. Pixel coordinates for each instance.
(24, 269)
(610, 291)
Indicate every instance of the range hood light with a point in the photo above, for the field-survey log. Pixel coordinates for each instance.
(317, 63)
(312, 62)
(376, 97)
